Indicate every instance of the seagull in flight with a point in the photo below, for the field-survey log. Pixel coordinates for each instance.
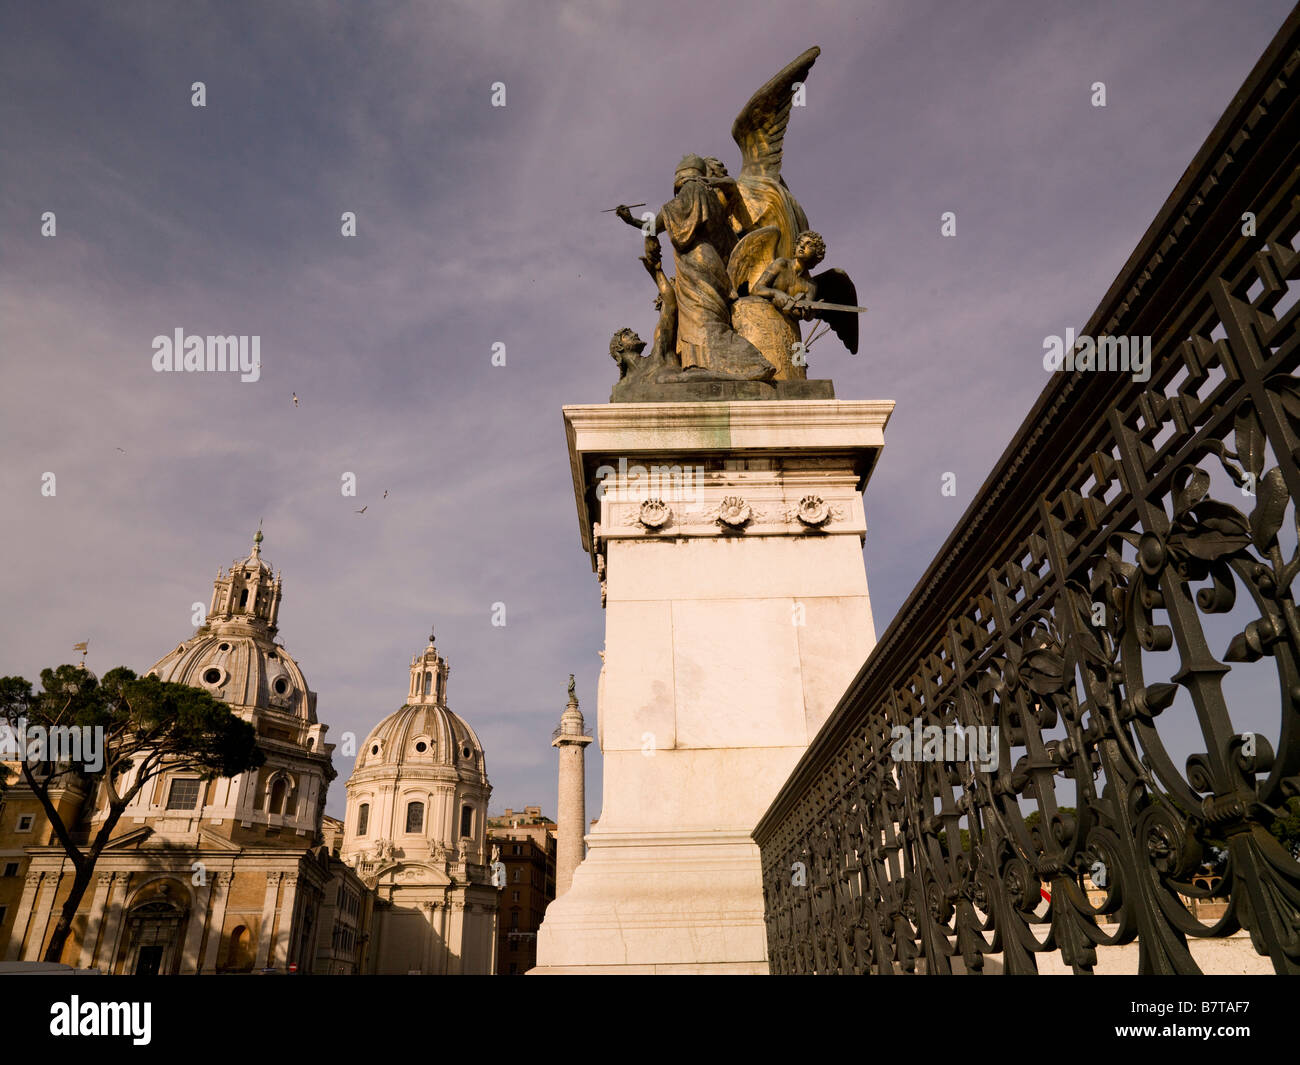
(364, 509)
(295, 399)
(385, 493)
(122, 449)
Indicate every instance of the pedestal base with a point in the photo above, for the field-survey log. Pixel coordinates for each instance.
(659, 902)
(728, 539)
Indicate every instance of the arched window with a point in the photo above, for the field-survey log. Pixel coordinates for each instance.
(363, 818)
(278, 791)
(466, 820)
(428, 683)
(415, 817)
(243, 598)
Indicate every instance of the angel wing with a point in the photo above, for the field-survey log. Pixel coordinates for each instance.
(835, 286)
(759, 129)
(750, 256)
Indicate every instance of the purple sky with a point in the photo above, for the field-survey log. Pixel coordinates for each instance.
(479, 225)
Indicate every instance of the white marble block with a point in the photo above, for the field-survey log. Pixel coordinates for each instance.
(727, 537)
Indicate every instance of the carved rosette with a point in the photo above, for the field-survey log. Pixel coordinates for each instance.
(813, 511)
(734, 513)
(654, 514)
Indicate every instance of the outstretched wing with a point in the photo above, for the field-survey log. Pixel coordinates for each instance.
(759, 129)
(750, 256)
(835, 286)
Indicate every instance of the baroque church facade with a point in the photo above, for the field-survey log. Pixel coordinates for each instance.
(416, 832)
(247, 874)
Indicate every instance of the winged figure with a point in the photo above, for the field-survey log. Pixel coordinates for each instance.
(743, 253)
(759, 132)
(775, 293)
(791, 286)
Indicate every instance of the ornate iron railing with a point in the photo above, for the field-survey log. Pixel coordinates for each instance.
(1118, 602)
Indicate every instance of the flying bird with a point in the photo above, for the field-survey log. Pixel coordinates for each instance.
(295, 399)
(123, 450)
(385, 493)
(364, 509)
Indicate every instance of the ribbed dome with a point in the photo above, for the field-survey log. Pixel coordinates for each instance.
(422, 734)
(241, 669)
(234, 655)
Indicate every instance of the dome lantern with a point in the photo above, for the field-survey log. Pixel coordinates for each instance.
(248, 592)
(429, 673)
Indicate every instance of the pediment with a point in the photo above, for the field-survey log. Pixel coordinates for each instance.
(129, 841)
(412, 873)
(146, 837)
(211, 841)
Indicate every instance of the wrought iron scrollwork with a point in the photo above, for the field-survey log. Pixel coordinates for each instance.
(1118, 612)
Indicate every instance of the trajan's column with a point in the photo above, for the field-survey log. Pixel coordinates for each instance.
(719, 497)
(572, 739)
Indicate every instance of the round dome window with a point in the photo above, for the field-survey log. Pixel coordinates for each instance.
(281, 685)
(212, 676)
(224, 647)
(421, 747)
(465, 751)
(374, 749)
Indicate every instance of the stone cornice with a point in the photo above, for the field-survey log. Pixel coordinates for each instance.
(677, 433)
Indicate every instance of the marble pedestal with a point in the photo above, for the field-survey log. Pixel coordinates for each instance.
(728, 539)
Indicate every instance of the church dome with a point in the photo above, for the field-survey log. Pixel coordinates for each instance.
(418, 794)
(233, 655)
(432, 735)
(424, 732)
(241, 670)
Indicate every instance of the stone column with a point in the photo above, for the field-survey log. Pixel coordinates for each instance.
(456, 938)
(264, 937)
(198, 922)
(41, 919)
(426, 962)
(212, 948)
(287, 917)
(490, 932)
(440, 966)
(98, 908)
(107, 953)
(572, 739)
(727, 536)
(19, 930)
